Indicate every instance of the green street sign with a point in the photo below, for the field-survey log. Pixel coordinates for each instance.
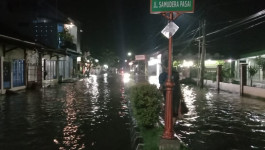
(160, 6)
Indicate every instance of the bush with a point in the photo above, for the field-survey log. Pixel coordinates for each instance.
(151, 138)
(146, 100)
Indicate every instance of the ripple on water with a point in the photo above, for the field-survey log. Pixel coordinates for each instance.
(88, 114)
(222, 120)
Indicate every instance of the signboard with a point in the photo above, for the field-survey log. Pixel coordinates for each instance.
(160, 6)
(139, 57)
(170, 30)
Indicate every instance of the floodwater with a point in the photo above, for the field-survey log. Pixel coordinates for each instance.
(89, 114)
(222, 121)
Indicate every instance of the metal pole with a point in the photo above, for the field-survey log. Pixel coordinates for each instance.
(168, 131)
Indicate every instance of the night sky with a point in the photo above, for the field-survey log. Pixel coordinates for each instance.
(127, 25)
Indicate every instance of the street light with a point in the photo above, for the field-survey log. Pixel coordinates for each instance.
(106, 66)
(129, 54)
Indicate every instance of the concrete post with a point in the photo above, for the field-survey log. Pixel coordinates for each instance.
(26, 77)
(2, 75)
(39, 71)
(243, 77)
(57, 68)
(219, 76)
(11, 74)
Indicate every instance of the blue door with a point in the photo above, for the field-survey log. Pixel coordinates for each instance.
(7, 75)
(18, 73)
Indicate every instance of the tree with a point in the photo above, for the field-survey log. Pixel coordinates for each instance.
(65, 36)
(260, 61)
(84, 60)
(252, 70)
(89, 60)
(91, 63)
(176, 64)
(66, 40)
(110, 58)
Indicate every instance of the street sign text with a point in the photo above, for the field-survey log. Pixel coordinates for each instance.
(159, 6)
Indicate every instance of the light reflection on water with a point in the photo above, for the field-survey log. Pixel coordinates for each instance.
(222, 121)
(88, 114)
(71, 138)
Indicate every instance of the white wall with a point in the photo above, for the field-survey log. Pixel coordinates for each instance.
(235, 88)
(259, 92)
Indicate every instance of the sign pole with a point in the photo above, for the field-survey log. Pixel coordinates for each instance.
(166, 7)
(168, 131)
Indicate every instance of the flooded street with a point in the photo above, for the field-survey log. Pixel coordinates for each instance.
(92, 114)
(88, 114)
(222, 121)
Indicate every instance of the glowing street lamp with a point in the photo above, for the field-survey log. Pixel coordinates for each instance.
(106, 66)
(129, 54)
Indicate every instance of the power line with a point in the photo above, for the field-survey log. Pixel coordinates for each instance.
(255, 16)
(233, 33)
(247, 20)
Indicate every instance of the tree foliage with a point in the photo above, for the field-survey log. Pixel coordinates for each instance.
(252, 70)
(65, 36)
(109, 57)
(260, 61)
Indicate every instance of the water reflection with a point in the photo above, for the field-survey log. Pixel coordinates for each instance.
(71, 137)
(222, 121)
(88, 114)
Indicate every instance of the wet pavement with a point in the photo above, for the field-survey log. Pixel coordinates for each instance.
(222, 121)
(89, 114)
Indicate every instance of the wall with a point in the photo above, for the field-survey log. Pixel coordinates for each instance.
(235, 88)
(15, 54)
(259, 92)
(46, 33)
(230, 87)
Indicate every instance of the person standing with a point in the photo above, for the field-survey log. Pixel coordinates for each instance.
(176, 93)
(162, 81)
(177, 97)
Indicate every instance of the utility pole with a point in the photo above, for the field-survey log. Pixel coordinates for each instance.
(199, 55)
(203, 55)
